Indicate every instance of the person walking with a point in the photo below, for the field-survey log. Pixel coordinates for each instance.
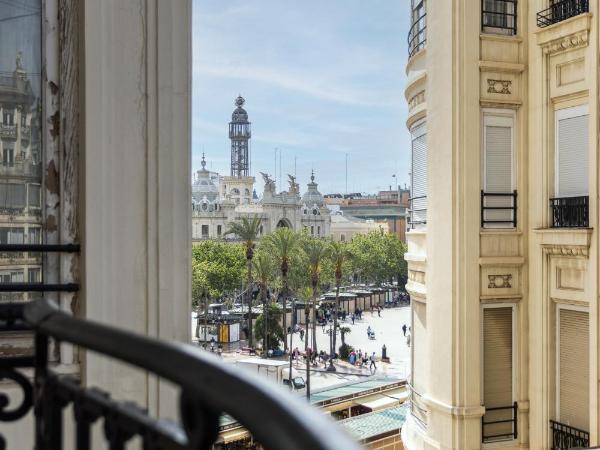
(379, 311)
(404, 329)
(372, 365)
(352, 317)
(301, 334)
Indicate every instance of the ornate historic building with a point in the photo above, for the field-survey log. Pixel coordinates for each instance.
(218, 200)
(20, 178)
(503, 251)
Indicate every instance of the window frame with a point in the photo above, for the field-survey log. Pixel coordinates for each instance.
(562, 114)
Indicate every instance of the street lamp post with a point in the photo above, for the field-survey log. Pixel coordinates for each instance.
(292, 324)
(331, 332)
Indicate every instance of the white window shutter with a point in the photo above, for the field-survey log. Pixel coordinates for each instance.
(419, 174)
(572, 155)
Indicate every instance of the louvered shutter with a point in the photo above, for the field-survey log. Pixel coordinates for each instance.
(498, 172)
(497, 369)
(419, 174)
(573, 389)
(572, 153)
(420, 357)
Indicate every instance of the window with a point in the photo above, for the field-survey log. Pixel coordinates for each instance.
(498, 371)
(572, 366)
(8, 117)
(419, 176)
(343, 238)
(318, 231)
(312, 230)
(35, 200)
(34, 275)
(499, 16)
(417, 35)
(8, 156)
(12, 195)
(571, 152)
(498, 181)
(219, 228)
(204, 230)
(35, 236)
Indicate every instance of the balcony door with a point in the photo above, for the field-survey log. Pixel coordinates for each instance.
(571, 152)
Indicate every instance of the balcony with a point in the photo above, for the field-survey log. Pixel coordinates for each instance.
(209, 388)
(570, 212)
(561, 10)
(502, 19)
(417, 35)
(565, 437)
(501, 425)
(418, 211)
(8, 131)
(498, 209)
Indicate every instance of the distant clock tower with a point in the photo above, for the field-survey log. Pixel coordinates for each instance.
(239, 133)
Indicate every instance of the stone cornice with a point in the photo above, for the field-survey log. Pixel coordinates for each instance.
(566, 250)
(569, 34)
(570, 42)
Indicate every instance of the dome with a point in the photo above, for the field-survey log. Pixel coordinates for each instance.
(239, 114)
(312, 196)
(203, 186)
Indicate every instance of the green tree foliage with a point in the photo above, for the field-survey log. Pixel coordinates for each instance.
(217, 266)
(274, 330)
(378, 257)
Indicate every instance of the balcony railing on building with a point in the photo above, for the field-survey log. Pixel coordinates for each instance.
(570, 212)
(499, 15)
(417, 211)
(498, 209)
(565, 437)
(499, 423)
(418, 409)
(208, 387)
(417, 35)
(561, 10)
(8, 131)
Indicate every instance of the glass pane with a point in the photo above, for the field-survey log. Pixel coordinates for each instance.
(20, 139)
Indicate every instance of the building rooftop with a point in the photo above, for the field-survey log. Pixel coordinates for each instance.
(350, 390)
(377, 423)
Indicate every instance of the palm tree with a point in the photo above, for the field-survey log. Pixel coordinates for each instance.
(316, 251)
(248, 230)
(263, 268)
(284, 242)
(339, 253)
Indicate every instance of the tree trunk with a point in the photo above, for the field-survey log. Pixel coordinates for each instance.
(306, 351)
(249, 290)
(205, 317)
(335, 316)
(285, 293)
(265, 323)
(314, 319)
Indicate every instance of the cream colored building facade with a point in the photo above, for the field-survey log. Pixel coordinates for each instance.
(344, 227)
(503, 111)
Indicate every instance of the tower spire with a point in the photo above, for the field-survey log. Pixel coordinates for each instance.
(239, 133)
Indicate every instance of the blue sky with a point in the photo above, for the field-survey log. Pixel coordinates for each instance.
(320, 78)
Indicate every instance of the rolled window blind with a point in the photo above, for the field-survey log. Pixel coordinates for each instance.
(498, 171)
(573, 389)
(419, 174)
(497, 369)
(572, 154)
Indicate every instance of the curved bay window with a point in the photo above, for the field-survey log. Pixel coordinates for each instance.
(20, 141)
(417, 35)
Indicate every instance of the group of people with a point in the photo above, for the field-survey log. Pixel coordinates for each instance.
(407, 331)
(361, 359)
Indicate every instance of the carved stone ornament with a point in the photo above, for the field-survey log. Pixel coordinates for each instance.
(566, 250)
(499, 281)
(570, 42)
(498, 86)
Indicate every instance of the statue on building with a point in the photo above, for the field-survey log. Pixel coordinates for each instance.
(269, 183)
(294, 187)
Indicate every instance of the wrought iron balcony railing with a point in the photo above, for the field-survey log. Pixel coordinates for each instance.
(418, 211)
(8, 131)
(208, 388)
(565, 437)
(417, 35)
(502, 15)
(498, 209)
(570, 212)
(560, 10)
(502, 420)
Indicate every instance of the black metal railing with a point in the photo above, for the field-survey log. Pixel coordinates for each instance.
(417, 409)
(565, 437)
(499, 14)
(208, 388)
(498, 422)
(502, 207)
(417, 35)
(561, 10)
(418, 211)
(570, 212)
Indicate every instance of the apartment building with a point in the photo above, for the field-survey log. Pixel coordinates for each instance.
(503, 257)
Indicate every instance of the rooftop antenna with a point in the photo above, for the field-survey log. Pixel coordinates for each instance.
(294, 166)
(280, 172)
(275, 169)
(346, 173)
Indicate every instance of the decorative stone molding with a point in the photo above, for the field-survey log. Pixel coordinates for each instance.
(416, 276)
(566, 250)
(500, 281)
(416, 100)
(498, 86)
(570, 42)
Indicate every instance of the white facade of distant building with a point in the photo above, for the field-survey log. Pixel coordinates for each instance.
(344, 228)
